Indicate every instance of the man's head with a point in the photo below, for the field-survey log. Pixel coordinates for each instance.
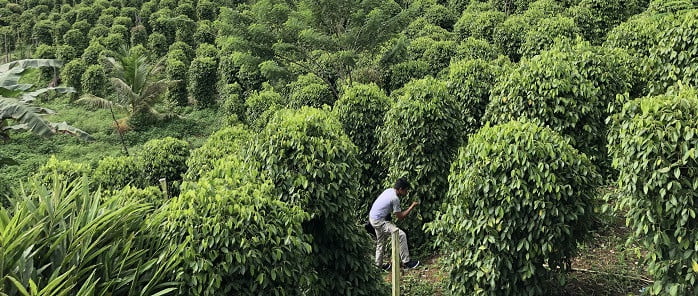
(401, 187)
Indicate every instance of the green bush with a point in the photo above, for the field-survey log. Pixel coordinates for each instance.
(94, 81)
(470, 82)
(93, 53)
(314, 166)
(205, 32)
(237, 238)
(158, 44)
(568, 89)
(61, 171)
(519, 197)
(510, 34)
(441, 16)
(184, 29)
(152, 195)
(139, 35)
(76, 39)
(229, 140)
(674, 59)
(361, 110)
(177, 89)
(233, 102)
(653, 146)
(309, 90)
(473, 48)
(260, 102)
(66, 52)
(402, 73)
(164, 158)
(114, 173)
(438, 55)
(202, 81)
(206, 50)
(542, 36)
(675, 6)
(114, 41)
(43, 32)
(72, 72)
(185, 48)
(418, 141)
(206, 10)
(479, 24)
(596, 17)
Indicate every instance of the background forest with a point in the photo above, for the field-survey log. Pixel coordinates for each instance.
(212, 147)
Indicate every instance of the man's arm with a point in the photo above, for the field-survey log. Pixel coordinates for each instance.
(403, 214)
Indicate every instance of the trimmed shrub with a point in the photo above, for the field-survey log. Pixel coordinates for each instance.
(164, 158)
(242, 68)
(185, 48)
(177, 89)
(441, 16)
(361, 110)
(227, 141)
(61, 171)
(237, 238)
(402, 73)
(114, 41)
(259, 104)
(470, 82)
(71, 74)
(202, 81)
(550, 90)
(542, 36)
(152, 195)
(510, 34)
(114, 173)
(206, 10)
(309, 90)
(473, 48)
(438, 55)
(206, 50)
(674, 59)
(43, 32)
(205, 32)
(76, 39)
(98, 31)
(653, 145)
(233, 102)
(313, 165)
(596, 17)
(93, 53)
(184, 29)
(158, 44)
(519, 197)
(479, 24)
(139, 35)
(66, 52)
(94, 81)
(418, 141)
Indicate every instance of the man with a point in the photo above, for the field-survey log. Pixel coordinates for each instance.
(389, 202)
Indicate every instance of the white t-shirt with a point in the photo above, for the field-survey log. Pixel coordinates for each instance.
(385, 204)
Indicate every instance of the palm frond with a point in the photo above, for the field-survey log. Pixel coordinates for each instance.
(30, 96)
(65, 128)
(96, 102)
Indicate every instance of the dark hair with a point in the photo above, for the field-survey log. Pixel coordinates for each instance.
(402, 183)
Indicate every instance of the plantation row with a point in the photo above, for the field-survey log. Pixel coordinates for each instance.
(506, 116)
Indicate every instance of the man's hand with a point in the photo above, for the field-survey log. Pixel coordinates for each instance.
(414, 204)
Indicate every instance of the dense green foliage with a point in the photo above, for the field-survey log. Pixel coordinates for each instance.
(361, 111)
(653, 145)
(419, 140)
(519, 197)
(62, 239)
(312, 163)
(401, 84)
(237, 237)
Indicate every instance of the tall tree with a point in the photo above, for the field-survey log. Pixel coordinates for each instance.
(314, 36)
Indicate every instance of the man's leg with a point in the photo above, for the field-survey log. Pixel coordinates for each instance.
(381, 237)
(389, 227)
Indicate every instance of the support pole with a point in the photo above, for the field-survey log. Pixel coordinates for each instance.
(396, 263)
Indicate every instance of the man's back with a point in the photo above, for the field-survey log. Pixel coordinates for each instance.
(386, 204)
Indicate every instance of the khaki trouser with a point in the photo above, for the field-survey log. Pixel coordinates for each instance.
(383, 231)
